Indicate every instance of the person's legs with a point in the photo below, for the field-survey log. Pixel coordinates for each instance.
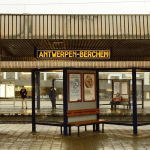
(22, 102)
(112, 104)
(52, 103)
(55, 103)
(25, 100)
(116, 103)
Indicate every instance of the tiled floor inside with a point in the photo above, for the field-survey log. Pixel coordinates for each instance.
(115, 137)
(6, 108)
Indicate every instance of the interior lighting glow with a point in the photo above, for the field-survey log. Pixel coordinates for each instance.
(25, 72)
(27, 86)
(109, 89)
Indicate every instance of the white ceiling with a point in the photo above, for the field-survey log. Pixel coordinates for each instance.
(75, 7)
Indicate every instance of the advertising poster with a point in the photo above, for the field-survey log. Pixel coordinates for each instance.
(124, 88)
(10, 90)
(89, 87)
(116, 87)
(74, 87)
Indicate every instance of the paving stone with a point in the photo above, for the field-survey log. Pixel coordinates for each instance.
(19, 136)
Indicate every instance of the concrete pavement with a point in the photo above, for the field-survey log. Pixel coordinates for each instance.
(20, 137)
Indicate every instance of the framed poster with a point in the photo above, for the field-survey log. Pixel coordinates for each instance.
(89, 87)
(74, 82)
(10, 90)
(124, 87)
(116, 87)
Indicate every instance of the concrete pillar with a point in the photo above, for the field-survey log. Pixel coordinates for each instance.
(4, 75)
(16, 75)
(45, 76)
(146, 78)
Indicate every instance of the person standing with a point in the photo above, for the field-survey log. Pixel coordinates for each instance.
(23, 93)
(52, 96)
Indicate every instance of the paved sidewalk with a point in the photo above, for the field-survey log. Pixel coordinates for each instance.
(20, 137)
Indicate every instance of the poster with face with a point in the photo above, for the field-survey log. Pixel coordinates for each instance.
(89, 87)
(74, 87)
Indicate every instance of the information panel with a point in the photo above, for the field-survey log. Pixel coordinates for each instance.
(2, 90)
(124, 87)
(89, 87)
(10, 90)
(116, 87)
(74, 87)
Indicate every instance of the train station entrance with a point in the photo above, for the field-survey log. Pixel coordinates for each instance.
(91, 61)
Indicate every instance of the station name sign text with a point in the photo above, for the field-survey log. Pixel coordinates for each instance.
(73, 54)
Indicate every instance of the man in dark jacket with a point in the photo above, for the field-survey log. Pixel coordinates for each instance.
(23, 93)
(52, 96)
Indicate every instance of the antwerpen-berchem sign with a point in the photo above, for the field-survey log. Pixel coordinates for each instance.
(73, 54)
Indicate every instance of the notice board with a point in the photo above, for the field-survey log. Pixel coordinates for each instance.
(10, 90)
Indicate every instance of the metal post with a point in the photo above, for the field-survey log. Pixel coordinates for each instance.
(112, 82)
(129, 94)
(142, 93)
(97, 96)
(38, 89)
(33, 102)
(134, 101)
(53, 83)
(65, 102)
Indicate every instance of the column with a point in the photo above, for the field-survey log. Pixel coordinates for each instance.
(4, 75)
(97, 96)
(38, 89)
(134, 101)
(16, 75)
(65, 101)
(45, 76)
(33, 101)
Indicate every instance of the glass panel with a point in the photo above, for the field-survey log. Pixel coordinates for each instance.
(49, 98)
(115, 96)
(19, 79)
(142, 93)
(24, 76)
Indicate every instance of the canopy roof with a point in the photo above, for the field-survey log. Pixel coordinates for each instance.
(127, 36)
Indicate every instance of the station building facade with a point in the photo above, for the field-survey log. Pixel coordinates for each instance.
(49, 48)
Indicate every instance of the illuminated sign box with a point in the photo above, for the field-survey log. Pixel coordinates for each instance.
(73, 54)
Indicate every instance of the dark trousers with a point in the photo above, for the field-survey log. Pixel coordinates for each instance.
(114, 103)
(53, 103)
